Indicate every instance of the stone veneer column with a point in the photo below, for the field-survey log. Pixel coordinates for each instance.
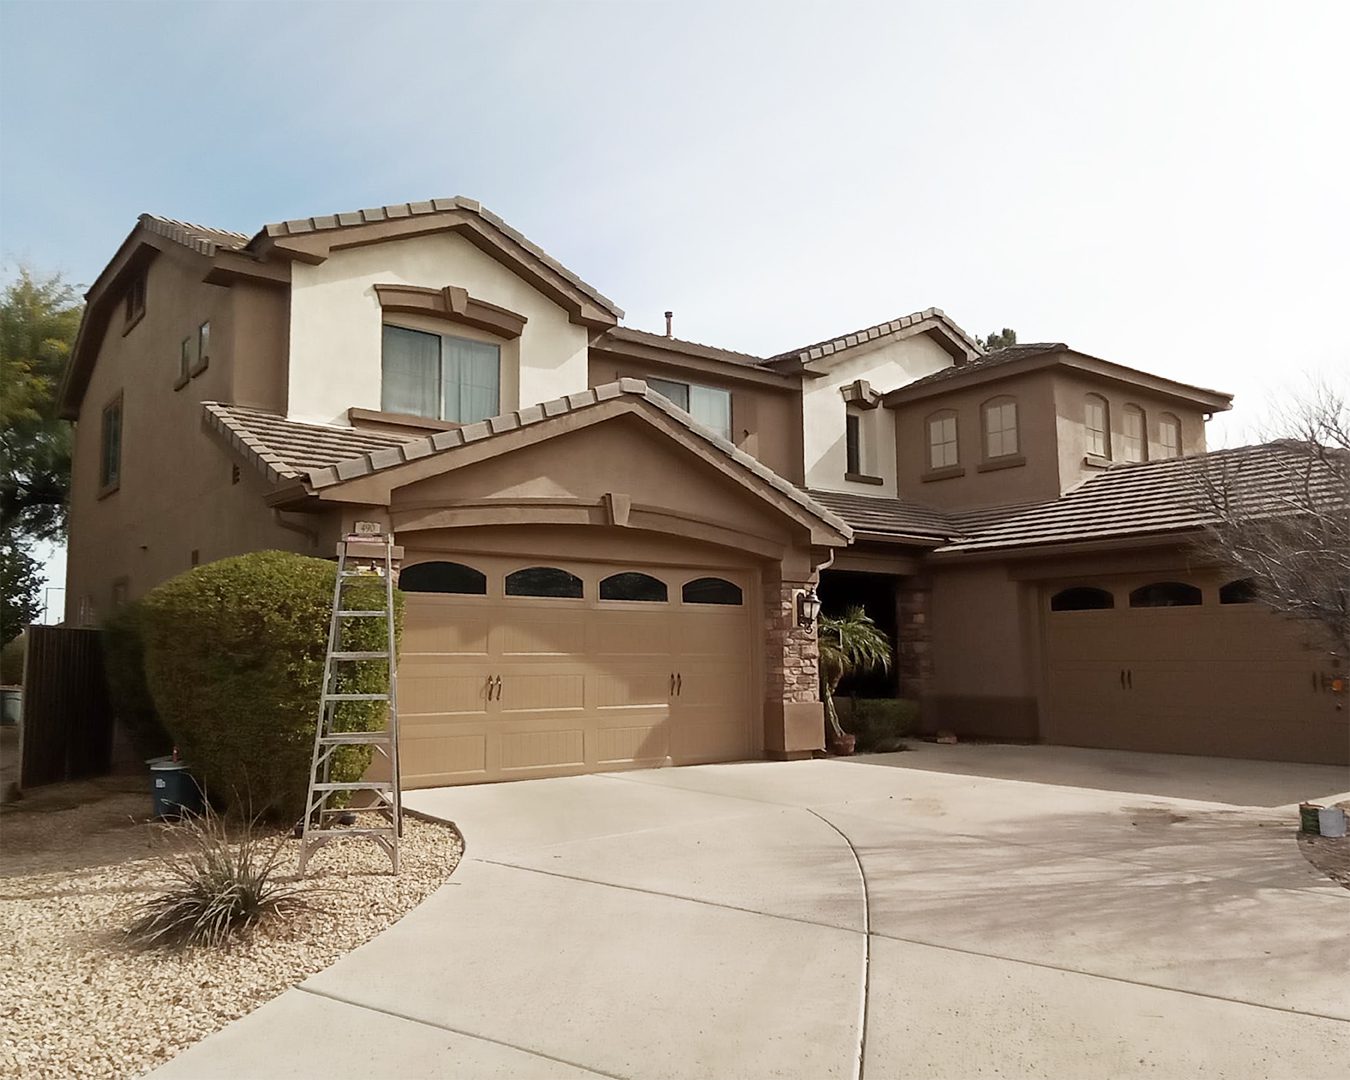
(914, 634)
(794, 719)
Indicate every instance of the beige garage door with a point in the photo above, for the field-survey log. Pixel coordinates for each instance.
(1186, 666)
(511, 670)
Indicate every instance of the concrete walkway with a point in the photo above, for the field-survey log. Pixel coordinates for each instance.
(901, 916)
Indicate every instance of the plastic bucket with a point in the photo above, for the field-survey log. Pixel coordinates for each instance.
(11, 705)
(174, 790)
(1331, 821)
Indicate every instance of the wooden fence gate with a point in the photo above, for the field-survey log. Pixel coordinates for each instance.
(67, 729)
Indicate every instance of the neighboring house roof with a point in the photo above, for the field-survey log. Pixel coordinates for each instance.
(691, 348)
(396, 211)
(1157, 498)
(1017, 359)
(929, 319)
(322, 457)
(200, 238)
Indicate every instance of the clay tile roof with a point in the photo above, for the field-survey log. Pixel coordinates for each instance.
(712, 352)
(200, 238)
(899, 517)
(322, 456)
(394, 211)
(1009, 354)
(820, 349)
(1158, 497)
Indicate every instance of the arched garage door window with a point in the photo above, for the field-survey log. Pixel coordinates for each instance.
(1165, 594)
(1082, 598)
(543, 581)
(443, 577)
(1242, 591)
(711, 590)
(634, 586)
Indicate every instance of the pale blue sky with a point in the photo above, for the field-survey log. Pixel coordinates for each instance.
(1163, 185)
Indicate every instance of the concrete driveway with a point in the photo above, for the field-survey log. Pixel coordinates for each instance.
(951, 912)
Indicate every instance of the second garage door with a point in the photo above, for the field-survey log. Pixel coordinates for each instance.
(1186, 666)
(512, 670)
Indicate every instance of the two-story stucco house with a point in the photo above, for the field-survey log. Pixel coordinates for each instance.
(609, 532)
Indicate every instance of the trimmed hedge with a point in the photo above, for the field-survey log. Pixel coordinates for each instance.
(124, 664)
(234, 660)
(880, 724)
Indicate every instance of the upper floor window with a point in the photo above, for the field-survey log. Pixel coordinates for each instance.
(110, 447)
(1000, 427)
(1133, 429)
(708, 405)
(438, 376)
(134, 301)
(1169, 436)
(853, 454)
(203, 348)
(1097, 426)
(942, 451)
(184, 362)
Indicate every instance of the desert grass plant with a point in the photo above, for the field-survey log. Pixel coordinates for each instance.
(223, 882)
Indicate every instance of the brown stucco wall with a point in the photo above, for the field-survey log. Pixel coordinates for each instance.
(765, 420)
(177, 492)
(1036, 477)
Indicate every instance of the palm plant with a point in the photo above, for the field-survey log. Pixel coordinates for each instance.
(849, 643)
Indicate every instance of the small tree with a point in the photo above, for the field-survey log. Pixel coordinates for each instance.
(848, 643)
(1281, 515)
(20, 579)
(997, 339)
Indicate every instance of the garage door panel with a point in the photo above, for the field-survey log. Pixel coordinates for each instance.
(702, 634)
(443, 759)
(634, 688)
(539, 633)
(546, 749)
(443, 630)
(632, 743)
(612, 632)
(541, 691)
(434, 690)
(702, 740)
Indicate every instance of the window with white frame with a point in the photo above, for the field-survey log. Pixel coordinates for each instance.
(1169, 436)
(439, 376)
(1000, 428)
(942, 451)
(1097, 426)
(708, 405)
(1133, 430)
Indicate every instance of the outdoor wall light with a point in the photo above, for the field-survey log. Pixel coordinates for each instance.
(808, 608)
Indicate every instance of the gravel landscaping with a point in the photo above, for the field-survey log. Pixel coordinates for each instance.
(77, 859)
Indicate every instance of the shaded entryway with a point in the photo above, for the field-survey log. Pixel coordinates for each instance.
(840, 590)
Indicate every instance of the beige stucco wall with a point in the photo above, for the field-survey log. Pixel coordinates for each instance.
(886, 365)
(336, 319)
(177, 492)
(1071, 389)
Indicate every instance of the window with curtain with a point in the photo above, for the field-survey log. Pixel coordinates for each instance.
(942, 441)
(1096, 427)
(1135, 442)
(1169, 436)
(708, 405)
(441, 377)
(1000, 428)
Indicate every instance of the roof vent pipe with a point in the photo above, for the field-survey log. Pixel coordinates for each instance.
(669, 315)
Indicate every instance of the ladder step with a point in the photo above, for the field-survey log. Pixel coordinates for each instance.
(354, 738)
(360, 655)
(361, 573)
(361, 614)
(388, 830)
(354, 785)
(356, 697)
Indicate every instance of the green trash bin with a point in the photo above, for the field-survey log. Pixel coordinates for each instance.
(175, 792)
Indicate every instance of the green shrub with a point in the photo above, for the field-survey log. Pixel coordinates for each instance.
(880, 724)
(234, 659)
(124, 665)
(11, 660)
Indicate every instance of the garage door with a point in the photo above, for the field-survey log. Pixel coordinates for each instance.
(1186, 666)
(511, 669)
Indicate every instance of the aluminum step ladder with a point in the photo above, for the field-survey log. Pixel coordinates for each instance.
(367, 557)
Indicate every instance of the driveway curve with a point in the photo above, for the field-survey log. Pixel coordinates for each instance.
(834, 919)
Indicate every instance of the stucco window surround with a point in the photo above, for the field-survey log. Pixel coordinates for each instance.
(1134, 434)
(1097, 429)
(452, 304)
(1169, 436)
(942, 431)
(1000, 436)
(110, 447)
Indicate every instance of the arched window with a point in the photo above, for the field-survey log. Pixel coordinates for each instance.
(1000, 427)
(633, 586)
(1097, 426)
(1169, 436)
(1242, 591)
(1165, 594)
(543, 581)
(1082, 598)
(1135, 434)
(942, 450)
(711, 590)
(443, 577)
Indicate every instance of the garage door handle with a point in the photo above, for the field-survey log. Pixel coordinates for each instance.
(1122, 678)
(499, 688)
(1129, 678)
(679, 684)
(672, 684)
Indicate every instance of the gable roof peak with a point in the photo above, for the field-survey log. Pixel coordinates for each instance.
(931, 319)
